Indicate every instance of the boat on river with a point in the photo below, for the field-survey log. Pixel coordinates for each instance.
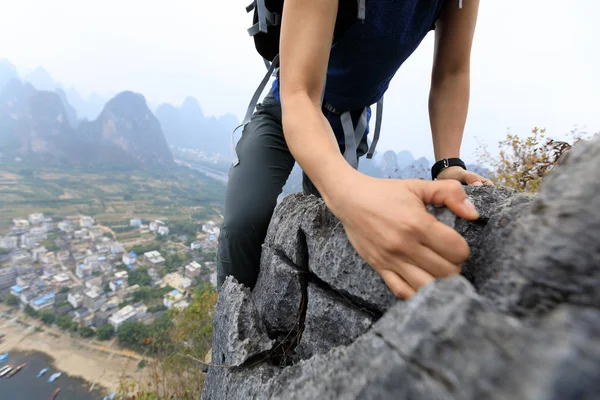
(42, 372)
(17, 369)
(54, 376)
(6, 371)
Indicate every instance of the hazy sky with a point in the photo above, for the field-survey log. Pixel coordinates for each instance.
(535, 62)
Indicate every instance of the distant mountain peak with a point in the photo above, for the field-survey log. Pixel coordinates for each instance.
(15, 91)
(128, 101)
(5, 62)
(88, 109)
(41, 80)
(190, 104)
(8, 72)
(96, 98)
(39, 124)
(187, 127)
(127, 122)
(40, 71)
(165, 107)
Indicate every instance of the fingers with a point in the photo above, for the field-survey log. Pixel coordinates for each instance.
(404, 279)
(411, 274)
(480, 181)
(442, 253)
(449, 193)
(399, 287)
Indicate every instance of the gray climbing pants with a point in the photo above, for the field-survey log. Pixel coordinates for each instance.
(265, 163)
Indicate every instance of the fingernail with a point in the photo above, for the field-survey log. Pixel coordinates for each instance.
(470, 208)
(478, 183)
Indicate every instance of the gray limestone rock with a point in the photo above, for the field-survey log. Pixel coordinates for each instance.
(487, 242)
(333, 260)
(553, 253)
(489, 199)
(239, 333)
(443, 214)
(310, 236)
(445, 343)
(278, 294)
(285, 233)
(523, 322)
(248, 382)
(331, 321)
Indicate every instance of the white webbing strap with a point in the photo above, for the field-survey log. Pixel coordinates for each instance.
(252, 105)
(353, 136)
(377, 132)
(362, 10)
(265, 18)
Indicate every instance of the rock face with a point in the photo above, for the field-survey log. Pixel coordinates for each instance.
(8, 72)
(127, 123)
(188, 127)
(521, 322)
(235, 314)
(43, 126)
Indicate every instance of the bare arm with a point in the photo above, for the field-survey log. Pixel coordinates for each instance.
(306, 36)
(385, 220)
(450, 81)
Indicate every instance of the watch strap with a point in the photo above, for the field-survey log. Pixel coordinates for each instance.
(446, 163)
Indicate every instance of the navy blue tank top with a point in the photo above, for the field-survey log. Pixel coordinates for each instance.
(365, 59)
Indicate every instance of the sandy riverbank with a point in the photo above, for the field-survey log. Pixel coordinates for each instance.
(99, 363)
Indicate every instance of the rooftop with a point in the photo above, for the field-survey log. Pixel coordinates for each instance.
(16, 288)
(194, 265)
(62, 277)
(93, 293)
(43, 299)
(83, 312)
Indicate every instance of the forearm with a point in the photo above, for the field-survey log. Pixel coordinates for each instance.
(312, 143)
(448, 108)
(306, 34)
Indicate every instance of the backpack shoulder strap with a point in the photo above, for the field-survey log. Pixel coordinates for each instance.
(266, 18)
(378, 118)
(253, 102)
(353, 136)
(362, 10)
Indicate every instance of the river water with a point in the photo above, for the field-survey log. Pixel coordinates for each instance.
(25, 385)
(211, 173)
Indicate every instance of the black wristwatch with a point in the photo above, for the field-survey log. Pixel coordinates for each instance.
(445, 163)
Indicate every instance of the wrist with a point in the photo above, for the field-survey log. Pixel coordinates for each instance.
(444, 165)
(451, 173)
(337, 185)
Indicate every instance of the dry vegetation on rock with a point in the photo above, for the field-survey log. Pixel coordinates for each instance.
(523, 163)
